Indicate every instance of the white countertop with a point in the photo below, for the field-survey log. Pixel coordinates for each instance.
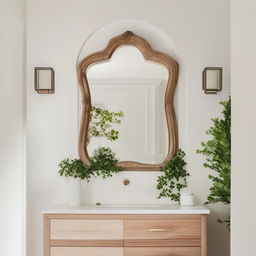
(127, 209)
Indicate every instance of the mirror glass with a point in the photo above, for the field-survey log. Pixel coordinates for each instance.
(128, 114)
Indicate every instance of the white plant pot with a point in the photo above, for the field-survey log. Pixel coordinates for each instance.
(74, 191)
(186, 198)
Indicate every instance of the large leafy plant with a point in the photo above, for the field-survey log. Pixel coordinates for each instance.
(102, 163)
(218, 157)
(174, 177)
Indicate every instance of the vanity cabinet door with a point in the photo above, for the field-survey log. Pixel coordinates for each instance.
(162, 251)
(170, 232)
(72, 229)
(86, 251)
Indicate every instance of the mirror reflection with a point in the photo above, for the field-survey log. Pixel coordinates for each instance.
(128, 114)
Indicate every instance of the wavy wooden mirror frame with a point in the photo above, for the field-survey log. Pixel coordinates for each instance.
(129, 38)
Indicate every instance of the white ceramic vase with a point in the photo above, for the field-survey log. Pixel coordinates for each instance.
(73, 191)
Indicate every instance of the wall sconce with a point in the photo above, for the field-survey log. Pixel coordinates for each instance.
(44, 80)
(212, 80)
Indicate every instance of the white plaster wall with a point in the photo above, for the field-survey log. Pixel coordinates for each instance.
(12, 153)
(243, 55)
(198, 29)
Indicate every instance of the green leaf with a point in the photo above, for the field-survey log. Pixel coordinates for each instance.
(102, 163)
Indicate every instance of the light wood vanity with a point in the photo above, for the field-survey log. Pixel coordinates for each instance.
(97, 231)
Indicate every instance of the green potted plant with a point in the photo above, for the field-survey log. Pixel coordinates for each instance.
(217, 151)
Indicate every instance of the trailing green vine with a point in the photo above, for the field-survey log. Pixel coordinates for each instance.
(75, 168)
(102, 163)
(174, 177)
(218, 158)
(101, 122)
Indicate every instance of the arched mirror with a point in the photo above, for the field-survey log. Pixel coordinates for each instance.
(127, 91)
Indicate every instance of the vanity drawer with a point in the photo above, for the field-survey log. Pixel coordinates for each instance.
(71, 229)
(88, 251)
(163, 251)
(170, 232)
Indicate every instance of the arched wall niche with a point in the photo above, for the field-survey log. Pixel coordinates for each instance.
(99, 38)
